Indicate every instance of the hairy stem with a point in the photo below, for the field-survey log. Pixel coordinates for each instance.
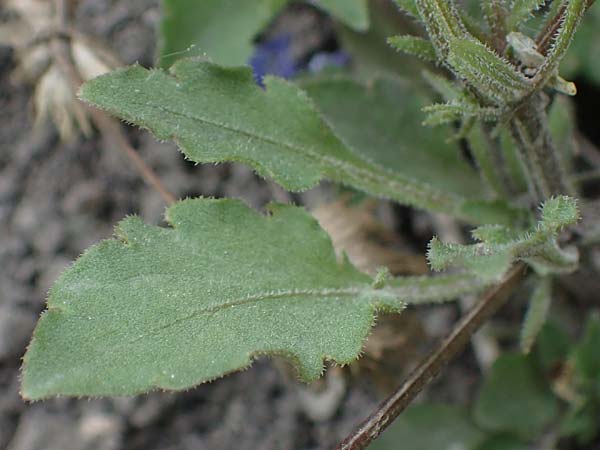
(449, 348)
(537, 151)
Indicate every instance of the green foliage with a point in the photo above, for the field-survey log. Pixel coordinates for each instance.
(512, 398)
(431, 427)
(521, 10)
(414, 46)
(227, 284)
(408, 6)
(581, 420)
(584, 57)
(202, 24)
(278, 132)
(355, 13)
(515, 404)
(198, 27)
(500, 246)
(224, 284)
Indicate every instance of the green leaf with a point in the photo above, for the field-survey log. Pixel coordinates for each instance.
(393, 136)
(223, 29)
(552, 347)
(537, 314)
(570, 19)
(171, 308)
(514, 398)
(521, 10)
(219, 114)
(413, 45)
(408, 6)
(582, 423)
(493, 77)
(500, 247)
(583, 57)
(431, 427)
(503, 442)
(443, 24)
(354, 13)
(586, 357)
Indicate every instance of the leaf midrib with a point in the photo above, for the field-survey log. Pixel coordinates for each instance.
(385, 177)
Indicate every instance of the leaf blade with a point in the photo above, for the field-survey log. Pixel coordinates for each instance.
(218, 114)
(225, 284)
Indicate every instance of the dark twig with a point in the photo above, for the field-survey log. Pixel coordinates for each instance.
(108, 127)
(449, 348)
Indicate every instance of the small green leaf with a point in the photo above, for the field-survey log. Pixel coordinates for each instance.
(354, 13)
(500, 248)
(537, 314)
(583, 57)
(571, 17)
(514, 398)
(443, 24)
(559, 212)
(223, 29)
(413, 45)
(494, 234)
(431, 427)
(219, 114)
(408, 6)
(493, 77)
(521, 10)
(171, 308)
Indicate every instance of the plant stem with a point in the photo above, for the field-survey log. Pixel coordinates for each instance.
(542, 166)
(449, 348)
(109, 128)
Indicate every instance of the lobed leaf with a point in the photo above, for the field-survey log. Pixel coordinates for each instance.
(500, 247)
(218, 114)
(202, 25)
(171, 308)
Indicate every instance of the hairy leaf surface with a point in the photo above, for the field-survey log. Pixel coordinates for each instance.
(501, 246)
(218, 114)
(171, 308)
